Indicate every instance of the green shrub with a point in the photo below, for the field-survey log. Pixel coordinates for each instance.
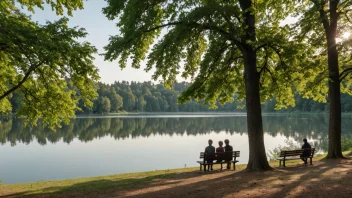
(346, 143)
(289, 145)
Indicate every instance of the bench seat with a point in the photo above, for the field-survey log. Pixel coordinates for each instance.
(294, 155)
(202, 163)
(218, 158)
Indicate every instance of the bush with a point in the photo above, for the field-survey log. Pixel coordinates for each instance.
(346, 143)
(275, 153)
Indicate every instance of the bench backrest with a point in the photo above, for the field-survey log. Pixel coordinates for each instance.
(297, 152)
(228, 156)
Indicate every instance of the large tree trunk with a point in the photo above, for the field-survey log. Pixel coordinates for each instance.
(334, 150)
(257, 156)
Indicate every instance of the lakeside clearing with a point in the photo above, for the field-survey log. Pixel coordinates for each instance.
(322, 179)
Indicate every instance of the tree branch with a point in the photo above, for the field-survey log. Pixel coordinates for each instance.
(345, 73)
(206, 26)
(265, 64)
(27, 74)
(163, 25)
(260, 46)
(211, 70)
(348, 19)
(323, 17)
(278, 54)
(27, 92)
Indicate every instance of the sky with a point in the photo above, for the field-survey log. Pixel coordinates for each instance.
(99, 29)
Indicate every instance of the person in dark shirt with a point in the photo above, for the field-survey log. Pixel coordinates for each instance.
(228, 148)
(210, 150)
(306, 153)
(220, 149)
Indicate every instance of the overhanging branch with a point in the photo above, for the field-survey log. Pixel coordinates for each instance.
(277, 51)
(206, 26)
(162, 26)
(27, 74)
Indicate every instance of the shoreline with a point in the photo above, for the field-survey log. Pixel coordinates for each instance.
(125, 180)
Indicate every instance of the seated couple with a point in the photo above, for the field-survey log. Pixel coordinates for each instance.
(220, 149)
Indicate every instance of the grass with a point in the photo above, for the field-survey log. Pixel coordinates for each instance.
(110, 182)
(90, 184)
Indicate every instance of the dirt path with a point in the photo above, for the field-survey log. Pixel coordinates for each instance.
(332, 179)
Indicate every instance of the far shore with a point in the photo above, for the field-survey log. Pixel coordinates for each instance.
(117, 114)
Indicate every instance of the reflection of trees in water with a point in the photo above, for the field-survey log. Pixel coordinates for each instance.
(88, 129)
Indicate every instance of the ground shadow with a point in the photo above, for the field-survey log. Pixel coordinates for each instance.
(252, 184)
(323, 179)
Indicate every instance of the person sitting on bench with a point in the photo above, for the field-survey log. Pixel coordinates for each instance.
(228, 148)
(307, 151)
(210, 149)
(220, 149)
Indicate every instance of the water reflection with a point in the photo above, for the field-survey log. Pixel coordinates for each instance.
(67, 153)
(88, 129)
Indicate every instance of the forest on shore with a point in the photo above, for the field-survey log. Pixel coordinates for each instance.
(150, 97)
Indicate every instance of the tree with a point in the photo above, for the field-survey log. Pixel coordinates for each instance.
(129, 100)
(102, 105)
(7, 6)
(141, 104)
(105, 105)
(321, 24)
(116, 102)
(227, 47)
(38, 59)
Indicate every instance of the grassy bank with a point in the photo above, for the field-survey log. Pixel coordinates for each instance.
(86, 185)
(107, 183)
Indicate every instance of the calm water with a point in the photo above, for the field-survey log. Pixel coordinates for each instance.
(92, 146)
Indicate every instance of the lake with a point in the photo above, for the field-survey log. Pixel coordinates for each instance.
(94, 146)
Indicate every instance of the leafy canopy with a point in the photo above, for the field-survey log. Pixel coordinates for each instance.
(42, 61)
(313, 21)
(57, 5)
(205, 40)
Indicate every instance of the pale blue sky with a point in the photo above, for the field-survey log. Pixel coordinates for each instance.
(99, 29)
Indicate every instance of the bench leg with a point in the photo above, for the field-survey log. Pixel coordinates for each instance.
(284, 163)
(205, 168)
(234, 165)
(311, 161)
(221, 166)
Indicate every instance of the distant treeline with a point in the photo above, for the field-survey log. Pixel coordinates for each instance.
(150, 97)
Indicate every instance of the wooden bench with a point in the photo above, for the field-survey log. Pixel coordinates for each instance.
(295, 154)
(218, 158)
